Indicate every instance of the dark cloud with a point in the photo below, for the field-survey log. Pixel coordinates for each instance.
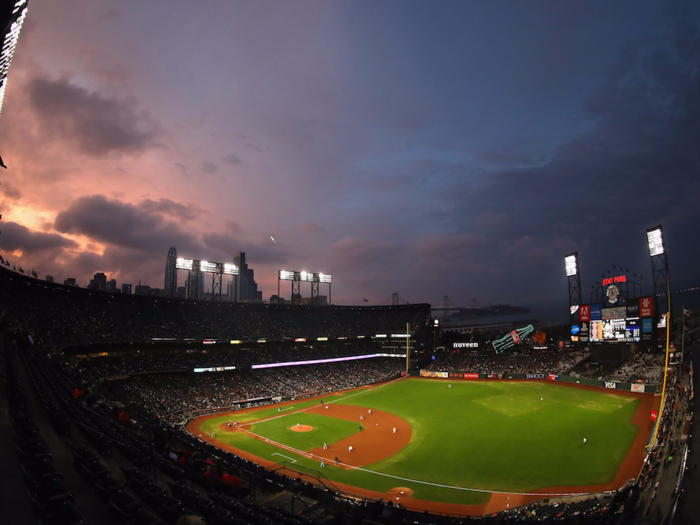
(98, 124)
(176, 210)
(232, 159)
(17, 237)
(637, 166)
(225, 244)
(10, 192)
(209, 167)
(122, 225)
(312, 228)
(449, 247)
(371, 255)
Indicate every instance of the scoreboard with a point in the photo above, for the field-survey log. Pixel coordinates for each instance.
(615, 324)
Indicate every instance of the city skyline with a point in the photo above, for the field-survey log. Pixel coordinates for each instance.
(453, 150)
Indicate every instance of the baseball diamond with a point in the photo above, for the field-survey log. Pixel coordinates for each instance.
(475, 448)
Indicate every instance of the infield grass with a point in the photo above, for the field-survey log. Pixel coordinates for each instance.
(504, 436)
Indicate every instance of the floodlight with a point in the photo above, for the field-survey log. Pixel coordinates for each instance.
(206, 266)
(571, 264)
(324, 278)
(655, 241)
(230, 269)
(184, 264)
(286, 275)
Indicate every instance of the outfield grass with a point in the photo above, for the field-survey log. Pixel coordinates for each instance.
(497, 436)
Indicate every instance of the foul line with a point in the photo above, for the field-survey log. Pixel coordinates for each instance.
(290, 459)
(272, 418)
(331, 461)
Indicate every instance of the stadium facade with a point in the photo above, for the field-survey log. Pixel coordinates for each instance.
(12, 16)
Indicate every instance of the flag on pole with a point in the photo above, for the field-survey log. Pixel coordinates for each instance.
(687, 313)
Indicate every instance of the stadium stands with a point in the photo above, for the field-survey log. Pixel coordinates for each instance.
(82, 462)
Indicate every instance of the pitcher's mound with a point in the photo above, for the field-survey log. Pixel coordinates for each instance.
(401, 491)
(301, 428)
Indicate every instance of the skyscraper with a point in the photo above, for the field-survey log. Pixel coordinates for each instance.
(11, 19)
(243, 288)
(170, 286)
(195, 285)
(98, 282)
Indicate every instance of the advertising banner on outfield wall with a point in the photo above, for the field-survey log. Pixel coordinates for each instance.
(637, 387)
(471, 376)
(553, 377)
(430, 373)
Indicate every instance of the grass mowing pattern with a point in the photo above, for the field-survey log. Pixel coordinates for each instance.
(485, 435)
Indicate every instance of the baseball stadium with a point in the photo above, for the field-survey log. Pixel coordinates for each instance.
(134, 409)
(205, 404)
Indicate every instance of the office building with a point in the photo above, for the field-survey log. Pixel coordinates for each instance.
(243, 288)
(170, 285)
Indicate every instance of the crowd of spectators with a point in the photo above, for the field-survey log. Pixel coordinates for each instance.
(640, 368)
(490, 362)
(164, 358)
(175, 397)
(60, 315)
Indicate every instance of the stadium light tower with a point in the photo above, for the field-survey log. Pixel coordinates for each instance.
(195, 269)
(662, 285)
(574, 278)
(298, 277)
(659, 270)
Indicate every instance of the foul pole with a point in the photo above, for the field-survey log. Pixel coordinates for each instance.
(408, 345)
(668, 340)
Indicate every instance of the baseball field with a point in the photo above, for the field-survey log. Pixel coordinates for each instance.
(465, 447)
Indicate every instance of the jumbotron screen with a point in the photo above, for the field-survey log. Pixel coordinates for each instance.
(615, 326)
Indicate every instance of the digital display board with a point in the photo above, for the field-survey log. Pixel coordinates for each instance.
(619, 312)
(614, 329)
(633, 331)
(616, 326)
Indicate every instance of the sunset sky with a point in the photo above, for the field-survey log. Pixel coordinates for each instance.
(449, 148)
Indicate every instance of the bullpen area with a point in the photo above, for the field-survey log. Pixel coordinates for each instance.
(459, 447)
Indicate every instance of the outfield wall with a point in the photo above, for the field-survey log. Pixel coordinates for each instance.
(613, 385)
